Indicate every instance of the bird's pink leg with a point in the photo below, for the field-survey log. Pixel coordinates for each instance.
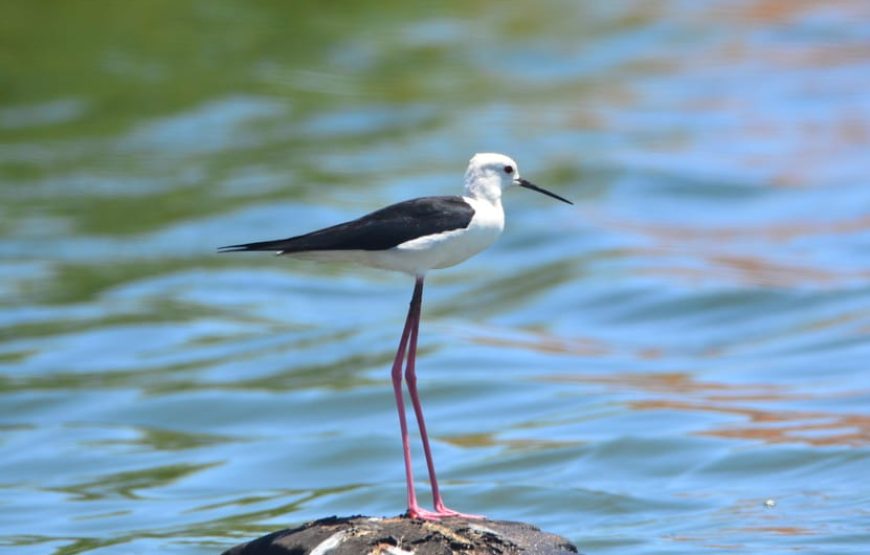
(411, 379)
(413, 507)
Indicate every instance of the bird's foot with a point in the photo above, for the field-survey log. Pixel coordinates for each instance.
(440, 512)
(443, 511)
(421, 513)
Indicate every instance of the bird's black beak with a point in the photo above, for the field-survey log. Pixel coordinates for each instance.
(529, 185)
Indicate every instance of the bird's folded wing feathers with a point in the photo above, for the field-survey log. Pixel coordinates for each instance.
(381, 230)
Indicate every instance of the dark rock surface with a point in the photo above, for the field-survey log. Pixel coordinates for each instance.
(361, 535)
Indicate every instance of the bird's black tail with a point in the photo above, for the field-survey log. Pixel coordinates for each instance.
(274, 246)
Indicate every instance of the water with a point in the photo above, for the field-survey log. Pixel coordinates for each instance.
(640, 373)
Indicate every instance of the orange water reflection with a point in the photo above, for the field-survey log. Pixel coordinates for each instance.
(745, 255)
(493, 440)
(781, 232)
(771, 423)
(545, 343)
(777, 139)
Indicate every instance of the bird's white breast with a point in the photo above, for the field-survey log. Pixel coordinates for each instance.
(442, 250)
(439, 250)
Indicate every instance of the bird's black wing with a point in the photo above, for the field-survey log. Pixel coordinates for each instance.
(381, 230)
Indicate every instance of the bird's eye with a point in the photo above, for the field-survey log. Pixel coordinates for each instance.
(508, 170)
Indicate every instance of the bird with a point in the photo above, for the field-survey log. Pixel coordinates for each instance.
(414, 237)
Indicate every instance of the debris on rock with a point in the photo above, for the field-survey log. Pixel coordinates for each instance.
(362, 535)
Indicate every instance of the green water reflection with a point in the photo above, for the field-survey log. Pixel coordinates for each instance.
(639, 373)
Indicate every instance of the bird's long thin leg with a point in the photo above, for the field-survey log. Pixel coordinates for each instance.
(413, 507)
(411, 379)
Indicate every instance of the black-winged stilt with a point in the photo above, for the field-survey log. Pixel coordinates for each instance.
(414, 237)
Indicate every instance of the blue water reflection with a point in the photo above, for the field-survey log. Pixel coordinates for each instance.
(641, 372)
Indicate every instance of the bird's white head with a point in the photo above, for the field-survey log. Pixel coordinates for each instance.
(490, 173)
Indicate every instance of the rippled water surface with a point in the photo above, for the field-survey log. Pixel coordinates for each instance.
(677, 364)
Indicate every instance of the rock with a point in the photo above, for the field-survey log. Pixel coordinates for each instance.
(362, 535)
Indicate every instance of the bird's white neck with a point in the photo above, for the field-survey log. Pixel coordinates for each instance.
(483, 187)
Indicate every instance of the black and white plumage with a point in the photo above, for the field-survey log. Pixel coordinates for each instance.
(381, 230)
(414, 237)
